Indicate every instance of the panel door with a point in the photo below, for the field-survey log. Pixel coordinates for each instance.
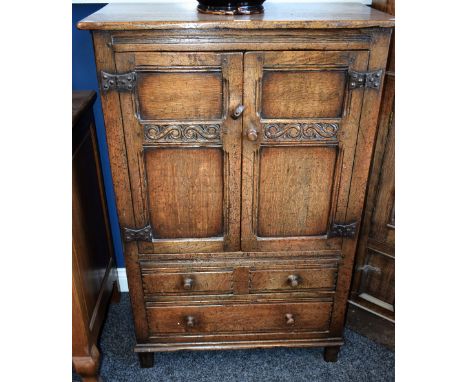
(183, 150)
(300, 130)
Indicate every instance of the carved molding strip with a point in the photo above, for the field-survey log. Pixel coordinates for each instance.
(300, 131)
(183, 133)
(174, 38)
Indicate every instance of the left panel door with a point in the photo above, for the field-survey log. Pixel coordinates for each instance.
(183, 150)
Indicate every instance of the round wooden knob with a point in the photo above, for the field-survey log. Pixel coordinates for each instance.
(190, 321)
(293, 280)
(289, 319)
(238, 112)
(188, 283)
(252, 134)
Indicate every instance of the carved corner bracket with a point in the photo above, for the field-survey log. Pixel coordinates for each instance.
(343, 230)
(141, 234)
(300, 131)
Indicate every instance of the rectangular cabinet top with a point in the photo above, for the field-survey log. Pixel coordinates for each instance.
(117, 16)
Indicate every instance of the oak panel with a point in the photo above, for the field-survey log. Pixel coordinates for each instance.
(185, 192)
(179, 96)
(239, 317)
(295, 190)
(309, 94)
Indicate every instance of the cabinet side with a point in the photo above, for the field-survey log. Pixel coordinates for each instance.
(104, 57)
(364, 149)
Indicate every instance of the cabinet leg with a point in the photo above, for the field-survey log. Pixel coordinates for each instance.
(91, 379)
(87, 366)
(146, 360)
(330, 353)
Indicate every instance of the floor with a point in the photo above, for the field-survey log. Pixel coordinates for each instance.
(360, 359)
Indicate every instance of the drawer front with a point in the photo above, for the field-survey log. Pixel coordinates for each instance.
(258, 317)
(178, 281)
(264, 280)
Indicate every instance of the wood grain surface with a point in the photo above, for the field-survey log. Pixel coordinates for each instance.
(240, 206)
(185, 189)
(295, 190)
(310, 94)
(292, 15)
(159, 96)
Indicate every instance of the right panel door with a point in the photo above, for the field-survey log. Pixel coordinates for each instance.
(301, 125)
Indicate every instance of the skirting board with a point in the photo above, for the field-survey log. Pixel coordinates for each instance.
(122, 276)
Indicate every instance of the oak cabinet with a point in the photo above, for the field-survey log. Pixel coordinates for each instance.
(240, 149)
(94, 279)
(372, 296)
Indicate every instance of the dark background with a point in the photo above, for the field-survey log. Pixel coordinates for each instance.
(84, 78)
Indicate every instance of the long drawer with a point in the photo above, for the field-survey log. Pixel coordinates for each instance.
(247, 317)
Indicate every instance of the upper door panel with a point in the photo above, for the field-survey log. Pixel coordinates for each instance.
(309, 93)
(195, 96)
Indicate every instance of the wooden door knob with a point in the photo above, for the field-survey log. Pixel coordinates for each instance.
(294, 280)
(238, 112)
(252, 134)
(289, 319)
(190, 321)
(188, 283)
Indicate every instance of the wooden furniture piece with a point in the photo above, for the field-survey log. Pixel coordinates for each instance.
(373, 287)
(240, 149)
(94, 272)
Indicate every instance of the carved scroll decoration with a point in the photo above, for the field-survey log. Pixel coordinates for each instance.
(183, 133)
(300, 131)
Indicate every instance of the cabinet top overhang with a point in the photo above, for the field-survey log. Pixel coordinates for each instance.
(144, 16)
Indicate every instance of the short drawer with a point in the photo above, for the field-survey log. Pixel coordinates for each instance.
(182, 281)
(264, 280)
(247, 317)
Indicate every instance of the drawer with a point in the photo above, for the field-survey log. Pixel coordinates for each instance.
(264, 280)
(253, 317)
(187, 281)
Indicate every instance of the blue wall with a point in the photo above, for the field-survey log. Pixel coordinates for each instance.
(84, 78)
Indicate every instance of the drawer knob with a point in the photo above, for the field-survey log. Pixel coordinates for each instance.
(289, 319)
(294, 280)
(188, 283)
(190, 321)
(252, 134)
(238, 112)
